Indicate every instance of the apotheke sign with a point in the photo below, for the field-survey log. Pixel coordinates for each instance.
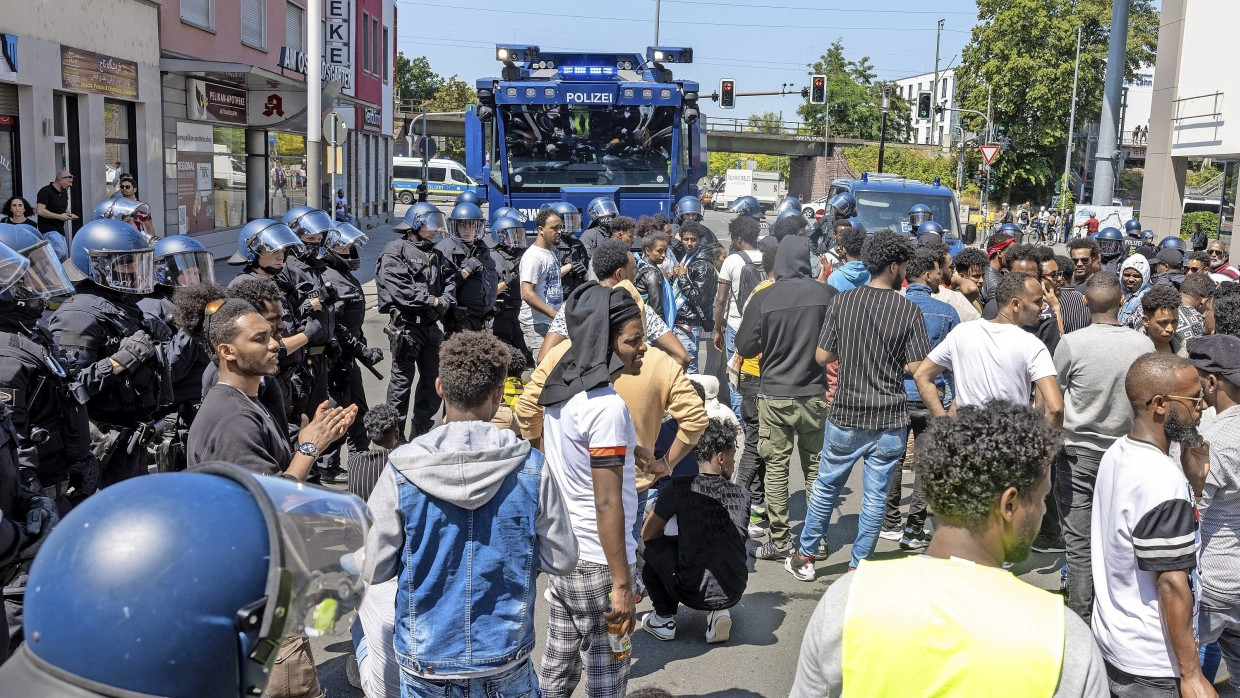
(298, 62)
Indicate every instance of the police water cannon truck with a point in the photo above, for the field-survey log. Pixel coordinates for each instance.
(559, 126)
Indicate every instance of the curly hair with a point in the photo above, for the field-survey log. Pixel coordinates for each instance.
(471, 366)
(694, 228)
(381, 421)
(969, 257)
(1085, 244)
(852, 240)
(257, 292)
(1021, 253)
(1064, 262)
(966, 463)
(516, 362)
(609, 257)
(719, 436)
(996, 238)
(543, 216)
(619, 223)
(1199, 286)
(7, 210)
(1227, 312)
(1201, 257)
(652, 238)
(1228, 288)
(1160, 298)
(189, 305)
(884, 249)
(921, 263)
(791, 225)
(745, 229)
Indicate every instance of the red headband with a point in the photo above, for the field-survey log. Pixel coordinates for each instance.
(999, 247)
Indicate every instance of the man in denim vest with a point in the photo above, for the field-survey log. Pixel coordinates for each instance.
(465, 516)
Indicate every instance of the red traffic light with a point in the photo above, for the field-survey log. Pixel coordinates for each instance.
(727, 93)
(817, 82)
(727, 86)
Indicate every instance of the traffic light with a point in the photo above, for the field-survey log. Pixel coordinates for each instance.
(923, 105)
(818, 90)
(727, 94)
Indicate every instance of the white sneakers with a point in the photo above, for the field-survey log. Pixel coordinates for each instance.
(660, 627)
(718, 626)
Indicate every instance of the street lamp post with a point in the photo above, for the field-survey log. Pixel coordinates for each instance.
(882, 132)
(1067, 161)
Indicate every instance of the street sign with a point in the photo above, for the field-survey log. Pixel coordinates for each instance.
(425, 148)
(989, 151)
(334, 128)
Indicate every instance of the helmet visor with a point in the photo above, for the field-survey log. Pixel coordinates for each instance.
(131, 271)
(919, 217)
(510, 237)
(433, 221)
(346, 235)
(468, 230)
(13, 267)
(572, 221)
(317, 526)
(1110, 248)
(277, 237)
(46, 277)
(313, 222)
(185, 269)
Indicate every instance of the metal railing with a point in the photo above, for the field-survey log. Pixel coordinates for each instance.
(1211, 189)
(747, 125)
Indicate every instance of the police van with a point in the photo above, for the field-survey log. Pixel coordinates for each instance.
(884, 200)
(445, 179)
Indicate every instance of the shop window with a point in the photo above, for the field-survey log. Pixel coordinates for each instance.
(120, 147)
(286, 172)
(254, 23)
(294, 27)
(9, 157)
(200, 13)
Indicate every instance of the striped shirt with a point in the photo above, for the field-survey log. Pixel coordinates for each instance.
(365, 467)
(1072, 309)
(875, 333)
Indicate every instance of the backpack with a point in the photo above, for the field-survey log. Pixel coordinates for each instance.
(752, 274)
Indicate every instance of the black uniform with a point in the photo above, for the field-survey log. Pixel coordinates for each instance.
(345, 382)
(473, 302)
(414, 293)
(307, 279)
(571, 251)
(187, 359)
(53, 434)
(122, 406)
(507, 324)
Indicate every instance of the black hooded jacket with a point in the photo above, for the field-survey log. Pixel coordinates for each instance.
(782, 322)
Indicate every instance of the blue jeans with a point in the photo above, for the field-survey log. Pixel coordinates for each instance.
(643, 499)
(882, 451)
(729, 343)
(690, 338)
(520, 680)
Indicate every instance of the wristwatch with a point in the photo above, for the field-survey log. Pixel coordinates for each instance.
(307, 448)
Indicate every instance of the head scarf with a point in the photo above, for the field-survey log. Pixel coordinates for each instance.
(999, 247)
(592, 311)
(1132, 301)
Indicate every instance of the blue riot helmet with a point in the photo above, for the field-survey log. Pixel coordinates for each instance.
(423, 215)
(114, 255)
(927, 227)
(508, 232)
(569, 215)
(918, 214)
(130, 595)
(57, 240)
(13, 267)
(1147, 236)
(1170, 242)
(1132, 227)
(307, 221)
(509, 212)
(45, 278)
(263, 236)
(788, 203)
(1110, 242)
(343, 242)
(844, 204)
(690, 208)
(467, 197)
(1011, 229)
(180, 260)
(856, 224)
(601, 209)
(747, 206)
(465, 222)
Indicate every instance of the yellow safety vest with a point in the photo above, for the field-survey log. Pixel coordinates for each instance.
(926, 626)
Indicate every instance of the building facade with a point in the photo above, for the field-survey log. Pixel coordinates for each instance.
(1194, 112)
(937, 129)
(80, 91)
(233, 74)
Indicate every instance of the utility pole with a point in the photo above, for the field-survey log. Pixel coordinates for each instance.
(1106, 159)
(882, 133)
(960, 161)
(314, 101)
(1067, 161)
(934, 90)
(657, 3)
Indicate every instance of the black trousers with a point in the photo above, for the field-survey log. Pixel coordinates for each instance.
(507, 327)
(461, 322)
(751, 471)
(919, 418)
(661, 575)
(346, 389)
(422, 355)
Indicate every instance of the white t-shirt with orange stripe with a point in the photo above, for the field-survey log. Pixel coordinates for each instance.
(593, 429)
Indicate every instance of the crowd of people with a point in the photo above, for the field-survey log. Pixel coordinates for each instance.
(555, 407)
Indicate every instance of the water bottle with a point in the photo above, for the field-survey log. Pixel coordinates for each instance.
(621, 644)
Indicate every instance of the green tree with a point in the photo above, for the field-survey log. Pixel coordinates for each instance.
(854, 99)
(415, 80)
(1021, 55)
(453, 94)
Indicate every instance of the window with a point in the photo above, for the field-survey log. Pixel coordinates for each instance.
(254, 23)
(120, 149)
(385, 54)
(436, 174)
(943, 92)
(200, 13)
(294, 27)
(365, 42)
(375, 47)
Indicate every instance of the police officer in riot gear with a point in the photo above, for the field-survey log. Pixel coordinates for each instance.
(571, 250)
(1111, 246)
(340, 253)
(414, 292)
(467, 197)
(131, 211)
(180, 261)
(113, 347)
(464, 255)
(1147, 248)
(918, 214)
(313, 294)
(508, 234)
(601, 210)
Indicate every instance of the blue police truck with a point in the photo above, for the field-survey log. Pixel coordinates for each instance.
(575, 126)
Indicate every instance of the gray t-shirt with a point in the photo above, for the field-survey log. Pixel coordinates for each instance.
(1092, 363)
(820, 669)
(1220, 511)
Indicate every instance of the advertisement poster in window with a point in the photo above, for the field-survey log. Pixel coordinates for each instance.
(195, 205)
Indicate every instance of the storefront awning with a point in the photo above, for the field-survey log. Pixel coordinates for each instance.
(261, 84)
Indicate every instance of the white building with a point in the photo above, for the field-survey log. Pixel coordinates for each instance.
(937, 128)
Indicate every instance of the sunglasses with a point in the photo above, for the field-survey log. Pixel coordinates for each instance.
(1217, 253)
(1199, 399)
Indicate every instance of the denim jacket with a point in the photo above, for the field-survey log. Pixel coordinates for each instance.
(465, 516)
(940, 319)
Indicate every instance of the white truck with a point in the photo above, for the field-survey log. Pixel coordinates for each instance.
(760, 184)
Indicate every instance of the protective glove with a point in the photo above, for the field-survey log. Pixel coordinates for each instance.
(372, 355)
(86, 473)
(135, 349)
(316, 332)
(41, 513)
(579, 269)
(472, 265)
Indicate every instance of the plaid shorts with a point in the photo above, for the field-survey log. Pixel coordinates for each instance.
(578, 636)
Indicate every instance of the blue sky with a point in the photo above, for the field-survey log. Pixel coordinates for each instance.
(760, 45)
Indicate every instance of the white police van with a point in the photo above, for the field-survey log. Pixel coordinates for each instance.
(444, 179)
